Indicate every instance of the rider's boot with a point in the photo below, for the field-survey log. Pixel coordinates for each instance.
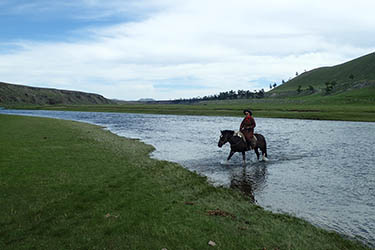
(248, 143)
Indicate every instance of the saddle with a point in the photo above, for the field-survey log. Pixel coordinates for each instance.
(240, 134)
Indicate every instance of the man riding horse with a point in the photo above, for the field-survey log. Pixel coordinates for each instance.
(247, 129)
(237, 142)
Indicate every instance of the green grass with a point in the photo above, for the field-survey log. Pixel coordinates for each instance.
(14, 94)
(356, 105)
(361, 69)
(69, 185)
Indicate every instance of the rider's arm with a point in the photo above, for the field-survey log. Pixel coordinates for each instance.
(253, 124)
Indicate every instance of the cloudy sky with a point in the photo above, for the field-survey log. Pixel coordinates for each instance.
(168, 49)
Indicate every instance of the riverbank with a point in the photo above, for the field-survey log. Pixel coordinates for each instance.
(69, 185)
(344, 108)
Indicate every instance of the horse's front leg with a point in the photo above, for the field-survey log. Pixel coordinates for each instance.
(244, 157)
(230, 155)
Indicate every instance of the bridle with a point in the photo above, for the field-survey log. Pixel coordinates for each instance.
(223, 139)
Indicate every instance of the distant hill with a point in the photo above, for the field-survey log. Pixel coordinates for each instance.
(11, 94)
(355, 74)
(146, 100)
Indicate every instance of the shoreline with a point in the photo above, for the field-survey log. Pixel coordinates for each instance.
(271, 210)
(173, 181)
(334, 112)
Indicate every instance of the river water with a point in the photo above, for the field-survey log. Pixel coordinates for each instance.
(322, 171)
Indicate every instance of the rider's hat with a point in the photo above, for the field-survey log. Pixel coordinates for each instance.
(247, 110)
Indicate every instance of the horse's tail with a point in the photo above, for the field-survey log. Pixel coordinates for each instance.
(263, 143)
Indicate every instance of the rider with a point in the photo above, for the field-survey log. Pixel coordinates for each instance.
(247, 128)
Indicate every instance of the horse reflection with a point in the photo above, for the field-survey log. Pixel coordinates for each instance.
(249, 180)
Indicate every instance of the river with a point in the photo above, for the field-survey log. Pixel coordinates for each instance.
(322, 171)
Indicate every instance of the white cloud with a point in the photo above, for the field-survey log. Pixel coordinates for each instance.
(212, 45)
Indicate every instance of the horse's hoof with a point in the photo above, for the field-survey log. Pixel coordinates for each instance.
(264, 159)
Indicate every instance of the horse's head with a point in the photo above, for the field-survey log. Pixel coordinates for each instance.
(224, 137)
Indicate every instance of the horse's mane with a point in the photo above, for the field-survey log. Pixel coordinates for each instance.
(227, 131)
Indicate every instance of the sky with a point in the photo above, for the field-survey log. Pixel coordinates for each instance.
(171, 49)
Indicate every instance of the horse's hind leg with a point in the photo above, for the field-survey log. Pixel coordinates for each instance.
(244, 157)
(264, 154)
(257, 152)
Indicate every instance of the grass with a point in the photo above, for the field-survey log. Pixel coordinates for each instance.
(19, 95)
(356, 105)
(346, 74)
(69, 185)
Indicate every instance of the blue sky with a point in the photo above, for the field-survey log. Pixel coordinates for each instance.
(170, 49)
(43, 20)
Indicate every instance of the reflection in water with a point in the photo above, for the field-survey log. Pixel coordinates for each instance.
(322, 171)
(249, 179)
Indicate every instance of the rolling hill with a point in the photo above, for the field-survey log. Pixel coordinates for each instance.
(353, 75)
(11, 94)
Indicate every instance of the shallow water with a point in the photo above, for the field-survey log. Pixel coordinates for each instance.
(323, 171)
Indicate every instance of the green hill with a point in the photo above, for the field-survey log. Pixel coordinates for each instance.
(353, 75)
(11, 94)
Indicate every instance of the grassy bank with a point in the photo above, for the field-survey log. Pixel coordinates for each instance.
(69, 185)
(357, 105)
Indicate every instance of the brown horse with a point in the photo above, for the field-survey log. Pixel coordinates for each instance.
(238, 144)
